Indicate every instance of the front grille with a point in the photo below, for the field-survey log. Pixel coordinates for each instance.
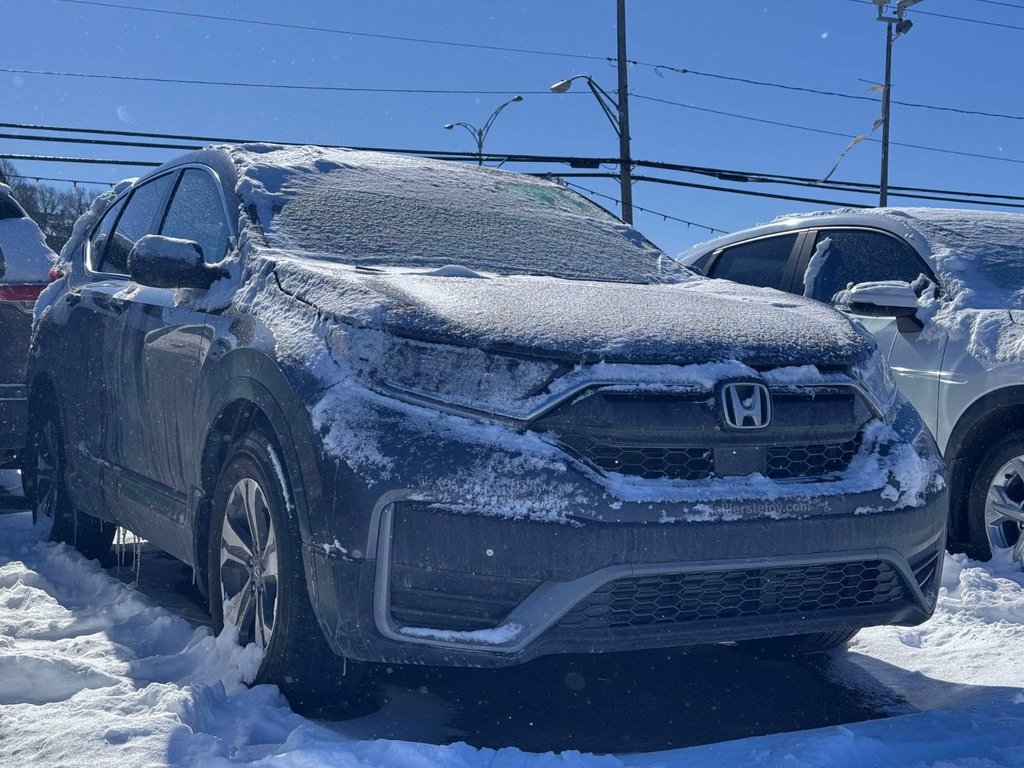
(695, 597)
(646, 461)
(790, 461)
(680, 436)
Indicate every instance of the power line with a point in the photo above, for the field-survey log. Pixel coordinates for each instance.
(712, 187)
(79, 160)
(503, 49)
(952, 17)
(823, 131)
(54, 178)
(725, 174)
(777, 178)
(1001, 2)
(835, 94)
(334, 31)
(472, 92)
(666, 216)
(970, 20)
(274, 86)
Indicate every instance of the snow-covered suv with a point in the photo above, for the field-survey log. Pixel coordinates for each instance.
(400, 410)
(943, 292)
(28, 260)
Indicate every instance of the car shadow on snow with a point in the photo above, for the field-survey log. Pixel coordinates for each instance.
(622, 702)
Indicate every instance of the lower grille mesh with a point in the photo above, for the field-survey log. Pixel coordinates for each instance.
(691, 597)
(787, 461)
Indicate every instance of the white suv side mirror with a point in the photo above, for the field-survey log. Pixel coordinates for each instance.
(885, 298)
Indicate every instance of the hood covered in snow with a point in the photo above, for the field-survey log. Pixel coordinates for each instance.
(690, 322)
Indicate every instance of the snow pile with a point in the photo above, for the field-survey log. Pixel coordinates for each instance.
(980, 615)
(92, 674)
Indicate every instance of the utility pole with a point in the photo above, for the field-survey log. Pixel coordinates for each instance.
(625, 161)
(895, 26)
(883, 182)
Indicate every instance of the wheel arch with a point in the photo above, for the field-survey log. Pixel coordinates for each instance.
(264, 400)
(983, 422)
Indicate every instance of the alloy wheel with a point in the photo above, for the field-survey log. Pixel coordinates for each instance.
(47, 471)
(249, 566)
(1004, 508)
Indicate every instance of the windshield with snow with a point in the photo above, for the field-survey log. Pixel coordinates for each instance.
(423, 214)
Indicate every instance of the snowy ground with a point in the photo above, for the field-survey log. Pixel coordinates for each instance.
(98, 670)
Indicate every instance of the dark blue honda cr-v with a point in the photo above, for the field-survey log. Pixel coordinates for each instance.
(394, 409)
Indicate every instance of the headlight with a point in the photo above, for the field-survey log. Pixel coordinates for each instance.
(875, 376)
(464, 377)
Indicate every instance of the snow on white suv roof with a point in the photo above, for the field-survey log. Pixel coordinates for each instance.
(942, 290)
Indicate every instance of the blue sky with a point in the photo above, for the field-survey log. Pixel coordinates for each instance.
(833, 45)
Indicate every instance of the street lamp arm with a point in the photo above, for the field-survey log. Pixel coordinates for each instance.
(494, 115)
(474, 132)
(603, 98)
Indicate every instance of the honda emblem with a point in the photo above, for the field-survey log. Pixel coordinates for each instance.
(746, 405)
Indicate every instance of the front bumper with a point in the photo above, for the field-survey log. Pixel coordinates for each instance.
(545, 588)
(453, 544)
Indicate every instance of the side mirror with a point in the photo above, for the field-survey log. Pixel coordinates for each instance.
(885, 298)
(168, 262)
(3, 264)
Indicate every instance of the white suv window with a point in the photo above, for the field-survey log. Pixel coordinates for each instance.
(757, 262)
(862, 256)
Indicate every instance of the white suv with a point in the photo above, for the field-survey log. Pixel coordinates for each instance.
(943, 292)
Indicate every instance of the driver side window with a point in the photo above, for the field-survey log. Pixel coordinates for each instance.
(861, 256)
(197, 213)
(141, 216)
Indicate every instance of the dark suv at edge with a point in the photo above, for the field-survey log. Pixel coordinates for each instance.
(412, 411)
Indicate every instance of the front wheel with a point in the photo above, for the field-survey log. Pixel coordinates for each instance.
(995, 501)
(52, 507)
(257, 582)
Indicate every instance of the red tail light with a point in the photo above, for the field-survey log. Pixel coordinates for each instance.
(55, 274)
(20, 292)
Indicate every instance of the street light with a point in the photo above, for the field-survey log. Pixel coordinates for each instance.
(613, 111)
(895, 26)
(480, 134)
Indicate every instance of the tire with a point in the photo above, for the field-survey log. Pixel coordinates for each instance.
(800, 645)
(45, 467)
(257, 583)
(995, 500)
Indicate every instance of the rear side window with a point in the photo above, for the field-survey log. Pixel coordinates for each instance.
(101, 234)
(141, 216)
(197, 214)
(758, 262)
(862, 256)
(10, 209)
